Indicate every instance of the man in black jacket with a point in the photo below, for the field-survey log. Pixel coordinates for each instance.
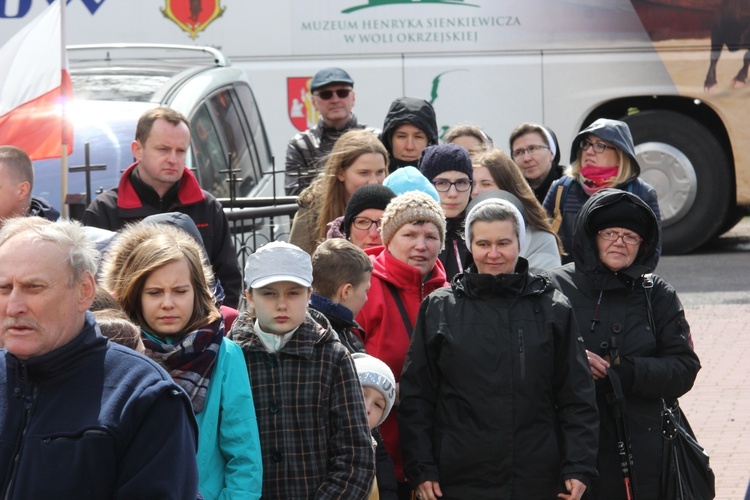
(159, 182)
(79, 417)
(333, 97)
(16, 183)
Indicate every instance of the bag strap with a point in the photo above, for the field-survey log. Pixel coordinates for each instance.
(401, 308)
(557, 214)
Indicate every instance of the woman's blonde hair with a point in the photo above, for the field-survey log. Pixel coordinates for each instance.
(625, 170)
(469, 130)
(142, 249)
(508, 177)
(327, 194)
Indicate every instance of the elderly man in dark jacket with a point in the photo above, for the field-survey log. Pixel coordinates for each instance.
(333, 97)
(79, 417)
(608, 285)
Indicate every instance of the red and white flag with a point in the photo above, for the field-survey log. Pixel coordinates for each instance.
(34, 80)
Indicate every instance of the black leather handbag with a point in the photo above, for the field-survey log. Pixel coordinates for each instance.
(686, 472)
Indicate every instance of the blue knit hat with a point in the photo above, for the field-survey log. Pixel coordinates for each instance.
(407, 179)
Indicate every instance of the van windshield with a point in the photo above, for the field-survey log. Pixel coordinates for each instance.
(117, 86)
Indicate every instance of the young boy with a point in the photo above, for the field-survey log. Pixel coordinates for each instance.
(311, 413)
(341, 279)
(379, 388)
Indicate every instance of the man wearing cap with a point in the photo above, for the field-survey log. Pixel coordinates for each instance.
(333, 97)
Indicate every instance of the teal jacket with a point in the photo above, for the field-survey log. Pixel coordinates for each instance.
(229, 459)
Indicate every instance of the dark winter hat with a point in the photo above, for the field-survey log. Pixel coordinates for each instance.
(410, 207)
(329, 76)
(621, 214)
(367, 196)
(443, 158)
(177, 219)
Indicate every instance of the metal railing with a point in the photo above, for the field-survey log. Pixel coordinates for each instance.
(257, 221)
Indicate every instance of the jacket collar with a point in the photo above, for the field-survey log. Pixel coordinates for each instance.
(315, 329)
(67, 358)
(520, 282)
(132, 190)
(392, 270)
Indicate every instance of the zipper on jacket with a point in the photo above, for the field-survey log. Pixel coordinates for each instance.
(28, 404)
(521, 354)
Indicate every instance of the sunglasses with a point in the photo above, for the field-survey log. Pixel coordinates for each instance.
(328, 94)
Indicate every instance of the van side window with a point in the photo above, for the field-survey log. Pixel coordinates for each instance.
(235, 136)
(257, 132)
(208, 153)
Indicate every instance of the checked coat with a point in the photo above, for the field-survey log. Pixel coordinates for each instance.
(314, 434)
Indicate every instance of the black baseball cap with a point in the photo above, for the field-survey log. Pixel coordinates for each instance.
(329, 76)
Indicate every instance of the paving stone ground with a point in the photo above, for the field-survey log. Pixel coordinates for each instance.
(718, 406)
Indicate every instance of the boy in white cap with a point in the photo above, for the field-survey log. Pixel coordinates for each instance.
(379, 388)
(311, 413)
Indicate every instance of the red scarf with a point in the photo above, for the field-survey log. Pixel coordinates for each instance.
(596, 178)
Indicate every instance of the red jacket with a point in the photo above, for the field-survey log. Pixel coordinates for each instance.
(386, 337)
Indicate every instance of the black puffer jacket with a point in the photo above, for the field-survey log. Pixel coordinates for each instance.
(496, 399)
(654, 364)
(413, 111)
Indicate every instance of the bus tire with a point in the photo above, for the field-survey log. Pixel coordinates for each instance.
(690, 172)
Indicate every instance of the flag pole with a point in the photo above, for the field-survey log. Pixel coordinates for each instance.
(63, 128)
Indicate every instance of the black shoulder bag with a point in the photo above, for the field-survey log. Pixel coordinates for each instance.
(686, 472)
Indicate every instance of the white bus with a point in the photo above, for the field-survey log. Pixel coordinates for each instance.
(494, 63)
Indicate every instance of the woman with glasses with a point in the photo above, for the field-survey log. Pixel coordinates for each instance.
(603, 155)
(615, 240)
(496, 399)
(496, 175)
(360, 224)
(357, 158)
(448, 167)
(536, 151)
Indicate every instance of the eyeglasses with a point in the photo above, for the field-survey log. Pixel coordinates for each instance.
(327, 94)
(461, 185)
(599, 147)
(364, 223)
(628, 239)
(531, 150)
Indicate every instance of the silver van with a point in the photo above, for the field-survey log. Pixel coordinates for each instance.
(114, 84)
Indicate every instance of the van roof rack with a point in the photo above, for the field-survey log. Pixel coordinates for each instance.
(219, 59)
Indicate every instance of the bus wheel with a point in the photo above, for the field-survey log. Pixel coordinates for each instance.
(690, 172)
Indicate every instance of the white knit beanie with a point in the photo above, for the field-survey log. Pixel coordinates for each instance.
(376, 374)
(412, 206)
(497, 201)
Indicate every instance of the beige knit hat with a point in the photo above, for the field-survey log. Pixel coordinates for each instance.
(409, 207)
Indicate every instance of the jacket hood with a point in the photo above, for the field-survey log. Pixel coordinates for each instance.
(41, 208)
(585, 253)
(614, 131)
(414, 111)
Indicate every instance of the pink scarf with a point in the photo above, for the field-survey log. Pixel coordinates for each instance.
(596, 178)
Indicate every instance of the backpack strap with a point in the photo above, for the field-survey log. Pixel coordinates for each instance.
(560, 196)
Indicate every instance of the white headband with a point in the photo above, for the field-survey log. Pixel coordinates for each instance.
(498, 201)
(552, 145)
